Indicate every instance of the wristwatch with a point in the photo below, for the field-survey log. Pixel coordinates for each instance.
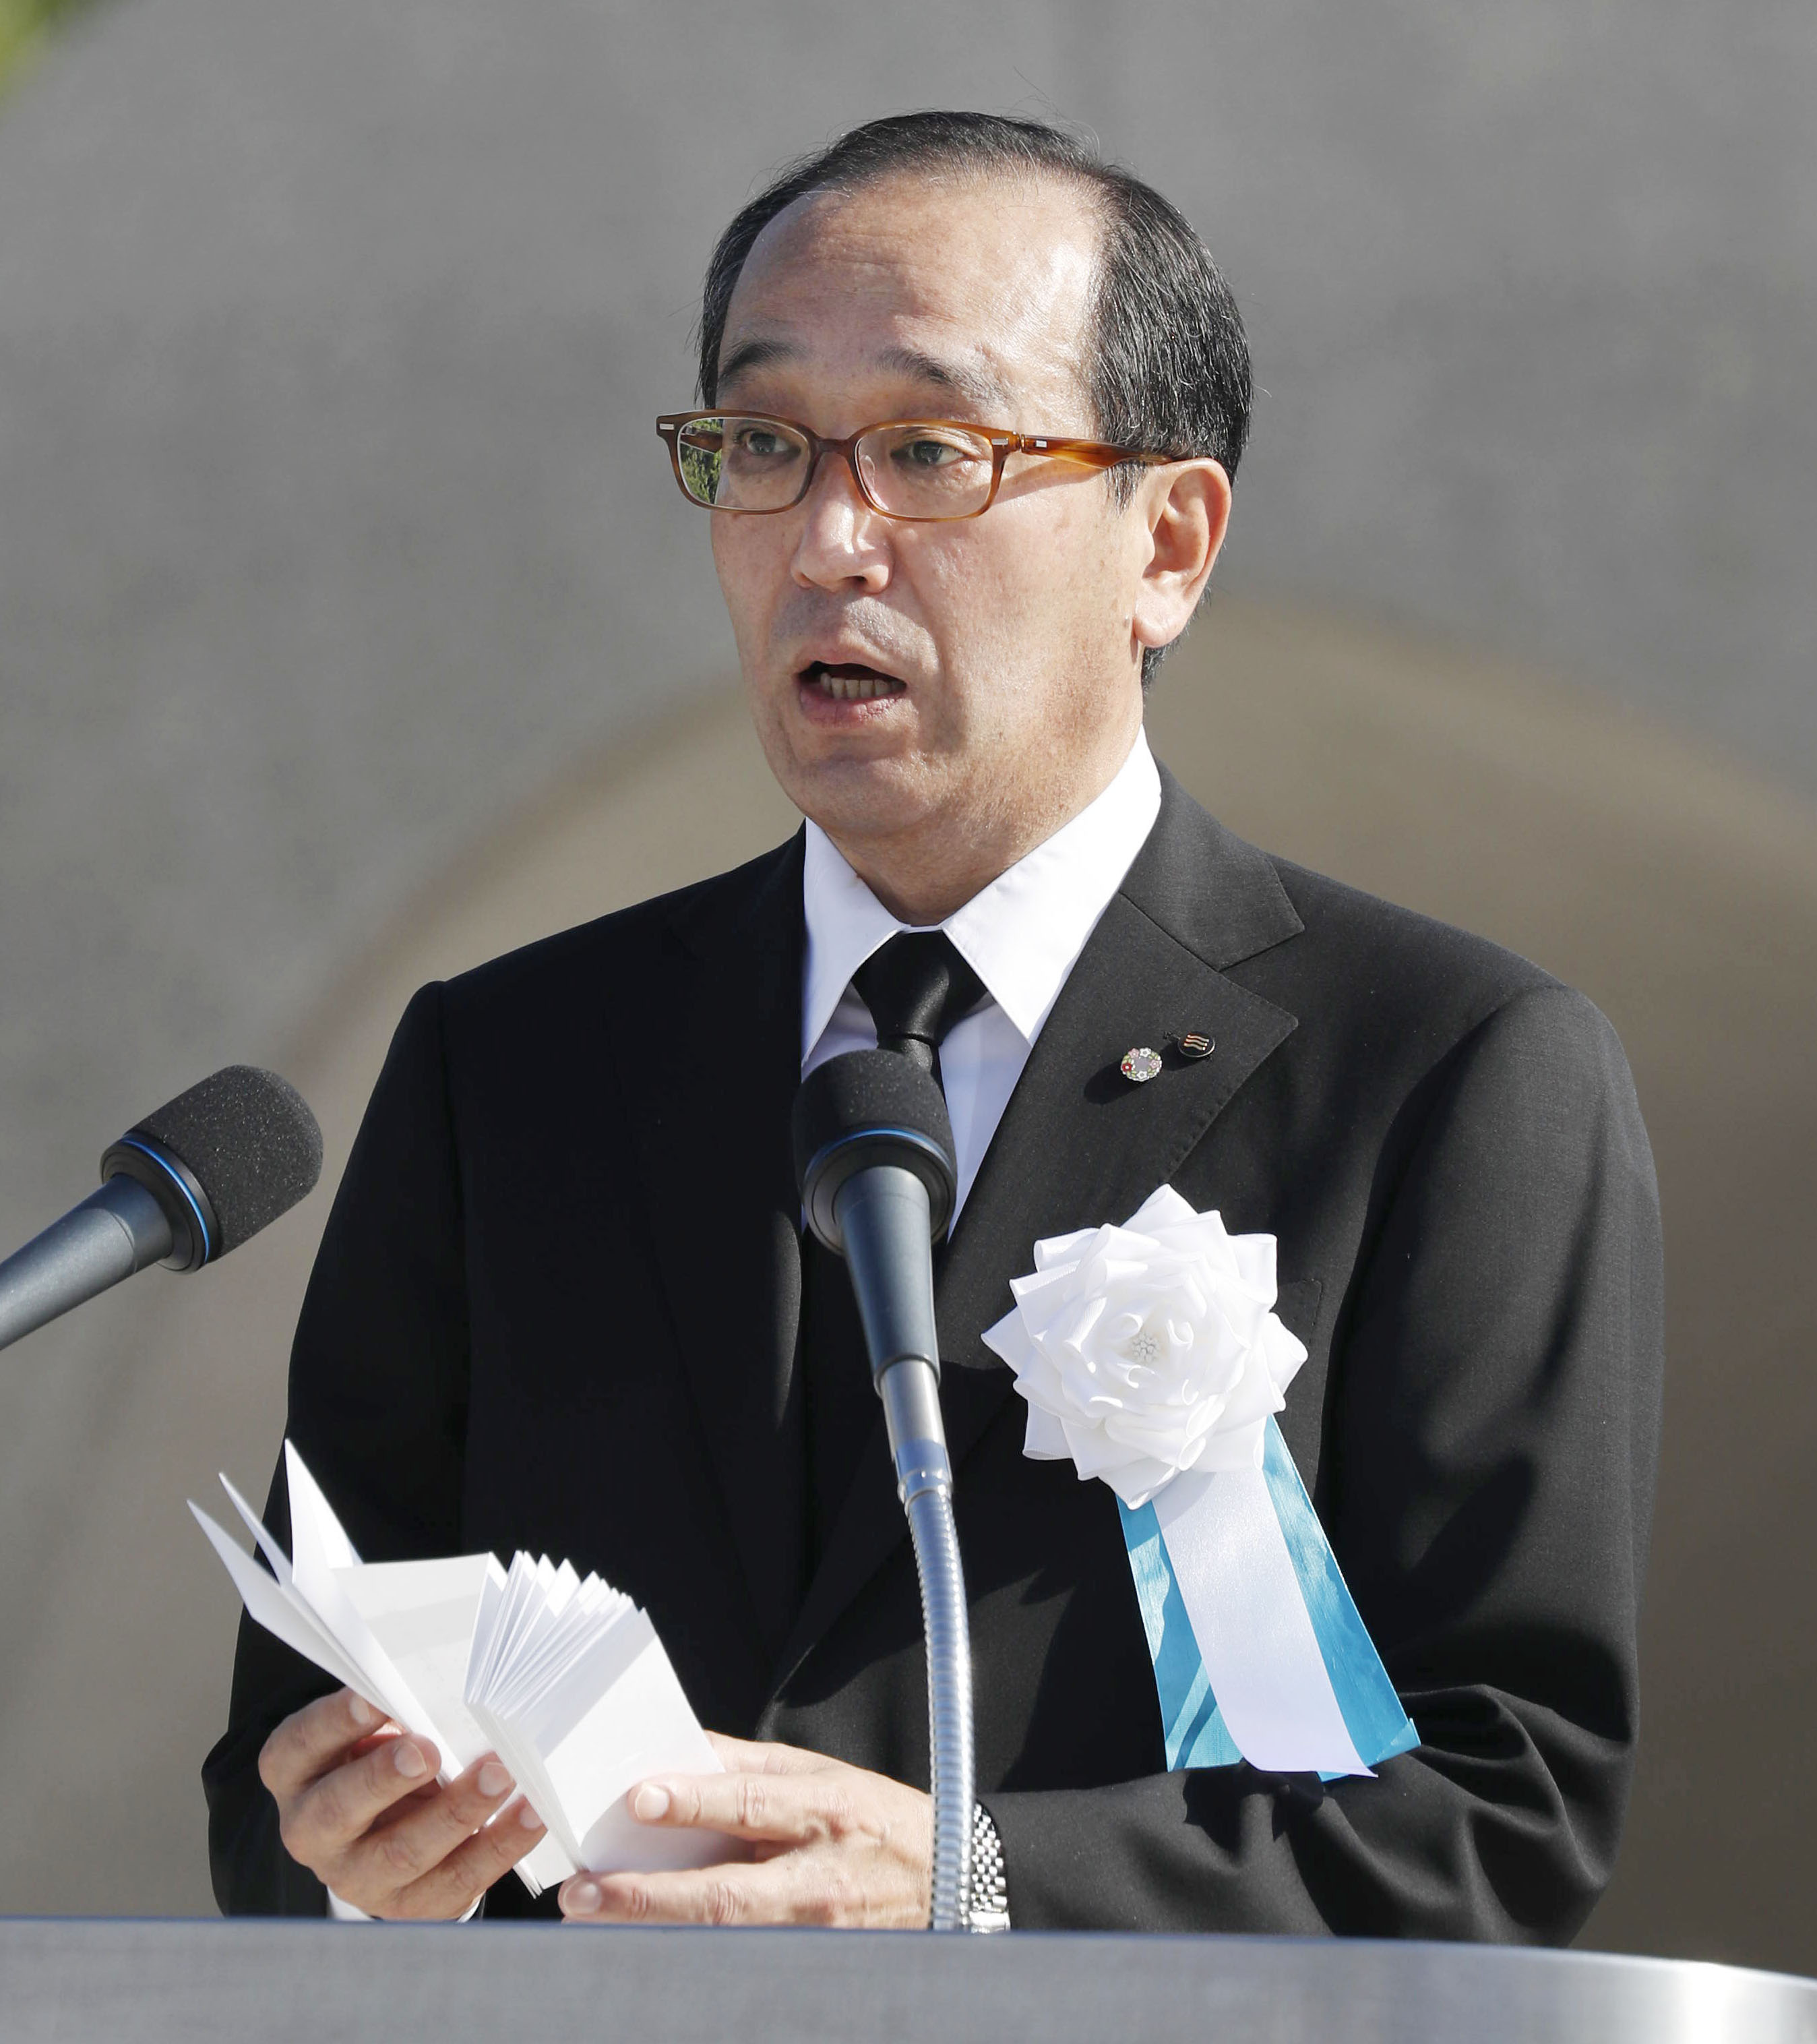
(988, 1906)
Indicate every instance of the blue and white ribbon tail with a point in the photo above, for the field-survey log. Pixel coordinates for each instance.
(1258, 1648)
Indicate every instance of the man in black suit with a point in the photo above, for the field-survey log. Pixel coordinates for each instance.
(564, 1302)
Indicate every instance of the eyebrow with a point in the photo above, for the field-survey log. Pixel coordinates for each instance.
(974, 385)
(964, 380)
(757, 354)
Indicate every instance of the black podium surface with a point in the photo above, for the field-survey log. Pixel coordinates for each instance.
(268, 1983)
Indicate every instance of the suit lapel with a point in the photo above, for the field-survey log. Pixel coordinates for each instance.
(1080, 1144)
(710, 1077)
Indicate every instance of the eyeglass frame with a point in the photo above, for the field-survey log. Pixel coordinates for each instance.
(1089, 454)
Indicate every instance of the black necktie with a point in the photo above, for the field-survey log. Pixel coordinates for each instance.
(916, 988)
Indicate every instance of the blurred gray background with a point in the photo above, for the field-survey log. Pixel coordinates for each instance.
(350, 628)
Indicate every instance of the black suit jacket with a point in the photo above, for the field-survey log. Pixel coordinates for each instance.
(556, 1307)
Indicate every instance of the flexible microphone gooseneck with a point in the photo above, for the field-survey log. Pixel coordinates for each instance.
(180, 1187)
(873, 1158)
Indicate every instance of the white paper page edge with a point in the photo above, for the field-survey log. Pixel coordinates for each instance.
(316, 1542)
(449, 1590)
(254, 1525)
(281, 1611)
(642, 1725)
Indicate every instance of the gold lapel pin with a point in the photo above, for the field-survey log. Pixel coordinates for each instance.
(1140, 1065)
(1196, 1046)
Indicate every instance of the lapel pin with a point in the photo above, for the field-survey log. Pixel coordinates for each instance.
(1140, 1065)
(1196, 1046)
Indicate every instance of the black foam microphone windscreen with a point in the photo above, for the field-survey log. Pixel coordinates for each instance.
(249, 1140)
(864, 1108)
(180, 1187)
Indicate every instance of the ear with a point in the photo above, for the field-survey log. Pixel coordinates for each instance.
(1186, 507)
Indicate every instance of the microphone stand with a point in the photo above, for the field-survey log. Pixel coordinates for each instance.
(884, 1222)
(874, 1159)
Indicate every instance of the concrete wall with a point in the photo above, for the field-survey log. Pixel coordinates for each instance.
(333, 530)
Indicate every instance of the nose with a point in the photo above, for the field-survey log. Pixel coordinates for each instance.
(843, 540)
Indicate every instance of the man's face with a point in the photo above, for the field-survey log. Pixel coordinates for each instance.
(971, 681)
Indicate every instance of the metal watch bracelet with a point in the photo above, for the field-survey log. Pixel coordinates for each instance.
(988, 1908)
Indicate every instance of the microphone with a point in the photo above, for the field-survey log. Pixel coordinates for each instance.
(180, 1187)
(874, 1160)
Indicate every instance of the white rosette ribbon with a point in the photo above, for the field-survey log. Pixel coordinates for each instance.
(1151, 1357)
(1149, 1349)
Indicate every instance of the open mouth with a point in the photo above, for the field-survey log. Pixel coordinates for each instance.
(848, 681)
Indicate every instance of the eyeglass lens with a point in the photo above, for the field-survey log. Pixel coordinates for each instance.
(740, 463)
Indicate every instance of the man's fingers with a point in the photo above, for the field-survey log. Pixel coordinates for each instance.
(447, 1890)
(789, 1809)
(749, 1756)
(827, 1845)
(328, 1816)
(313, 1740)
(409, 1840)
(734, 1893)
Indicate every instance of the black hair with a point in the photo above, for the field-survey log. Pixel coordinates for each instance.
(1169, 364)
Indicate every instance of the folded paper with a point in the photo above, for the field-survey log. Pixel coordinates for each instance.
(561, 1675)
(1151, 1356)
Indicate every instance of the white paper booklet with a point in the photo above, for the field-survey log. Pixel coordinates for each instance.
(562, 1676)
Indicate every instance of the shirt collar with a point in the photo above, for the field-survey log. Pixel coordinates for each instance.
(1021, 935)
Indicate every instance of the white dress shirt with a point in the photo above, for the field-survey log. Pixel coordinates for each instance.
(1021, 935)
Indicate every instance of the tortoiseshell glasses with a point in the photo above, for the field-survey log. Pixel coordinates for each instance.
(920, 469)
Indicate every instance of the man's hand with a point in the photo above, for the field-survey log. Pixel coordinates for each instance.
(829, 1844)
(359, 1806)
